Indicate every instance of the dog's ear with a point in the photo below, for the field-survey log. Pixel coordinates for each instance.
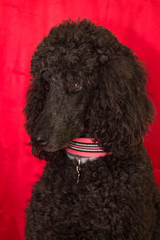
(121, 113)
(35, 99)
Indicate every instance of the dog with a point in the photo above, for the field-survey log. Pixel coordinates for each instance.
(87, 114)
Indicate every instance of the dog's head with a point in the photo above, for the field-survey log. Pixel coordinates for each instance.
(85, 83)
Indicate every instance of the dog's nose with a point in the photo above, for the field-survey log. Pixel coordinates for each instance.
(40, 140)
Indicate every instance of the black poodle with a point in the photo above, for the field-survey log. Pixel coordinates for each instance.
(87, 114)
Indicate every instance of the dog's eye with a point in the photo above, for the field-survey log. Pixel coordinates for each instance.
(76, 87)
(46, 86)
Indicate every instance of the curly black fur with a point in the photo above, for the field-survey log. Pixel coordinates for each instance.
(87, 84)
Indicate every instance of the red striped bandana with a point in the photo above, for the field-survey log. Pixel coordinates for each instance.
(85, 147)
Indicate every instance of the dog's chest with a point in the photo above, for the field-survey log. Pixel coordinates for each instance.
(84, 200)
(92, 207)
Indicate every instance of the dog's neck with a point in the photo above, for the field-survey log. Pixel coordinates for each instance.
(85, 149)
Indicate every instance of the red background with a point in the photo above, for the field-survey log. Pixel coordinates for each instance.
(23, 24)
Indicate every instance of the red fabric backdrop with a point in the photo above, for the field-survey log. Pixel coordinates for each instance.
(22, 25)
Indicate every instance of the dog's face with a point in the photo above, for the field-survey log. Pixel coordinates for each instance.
(64, 112)
(64, 77)
(85, 83)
